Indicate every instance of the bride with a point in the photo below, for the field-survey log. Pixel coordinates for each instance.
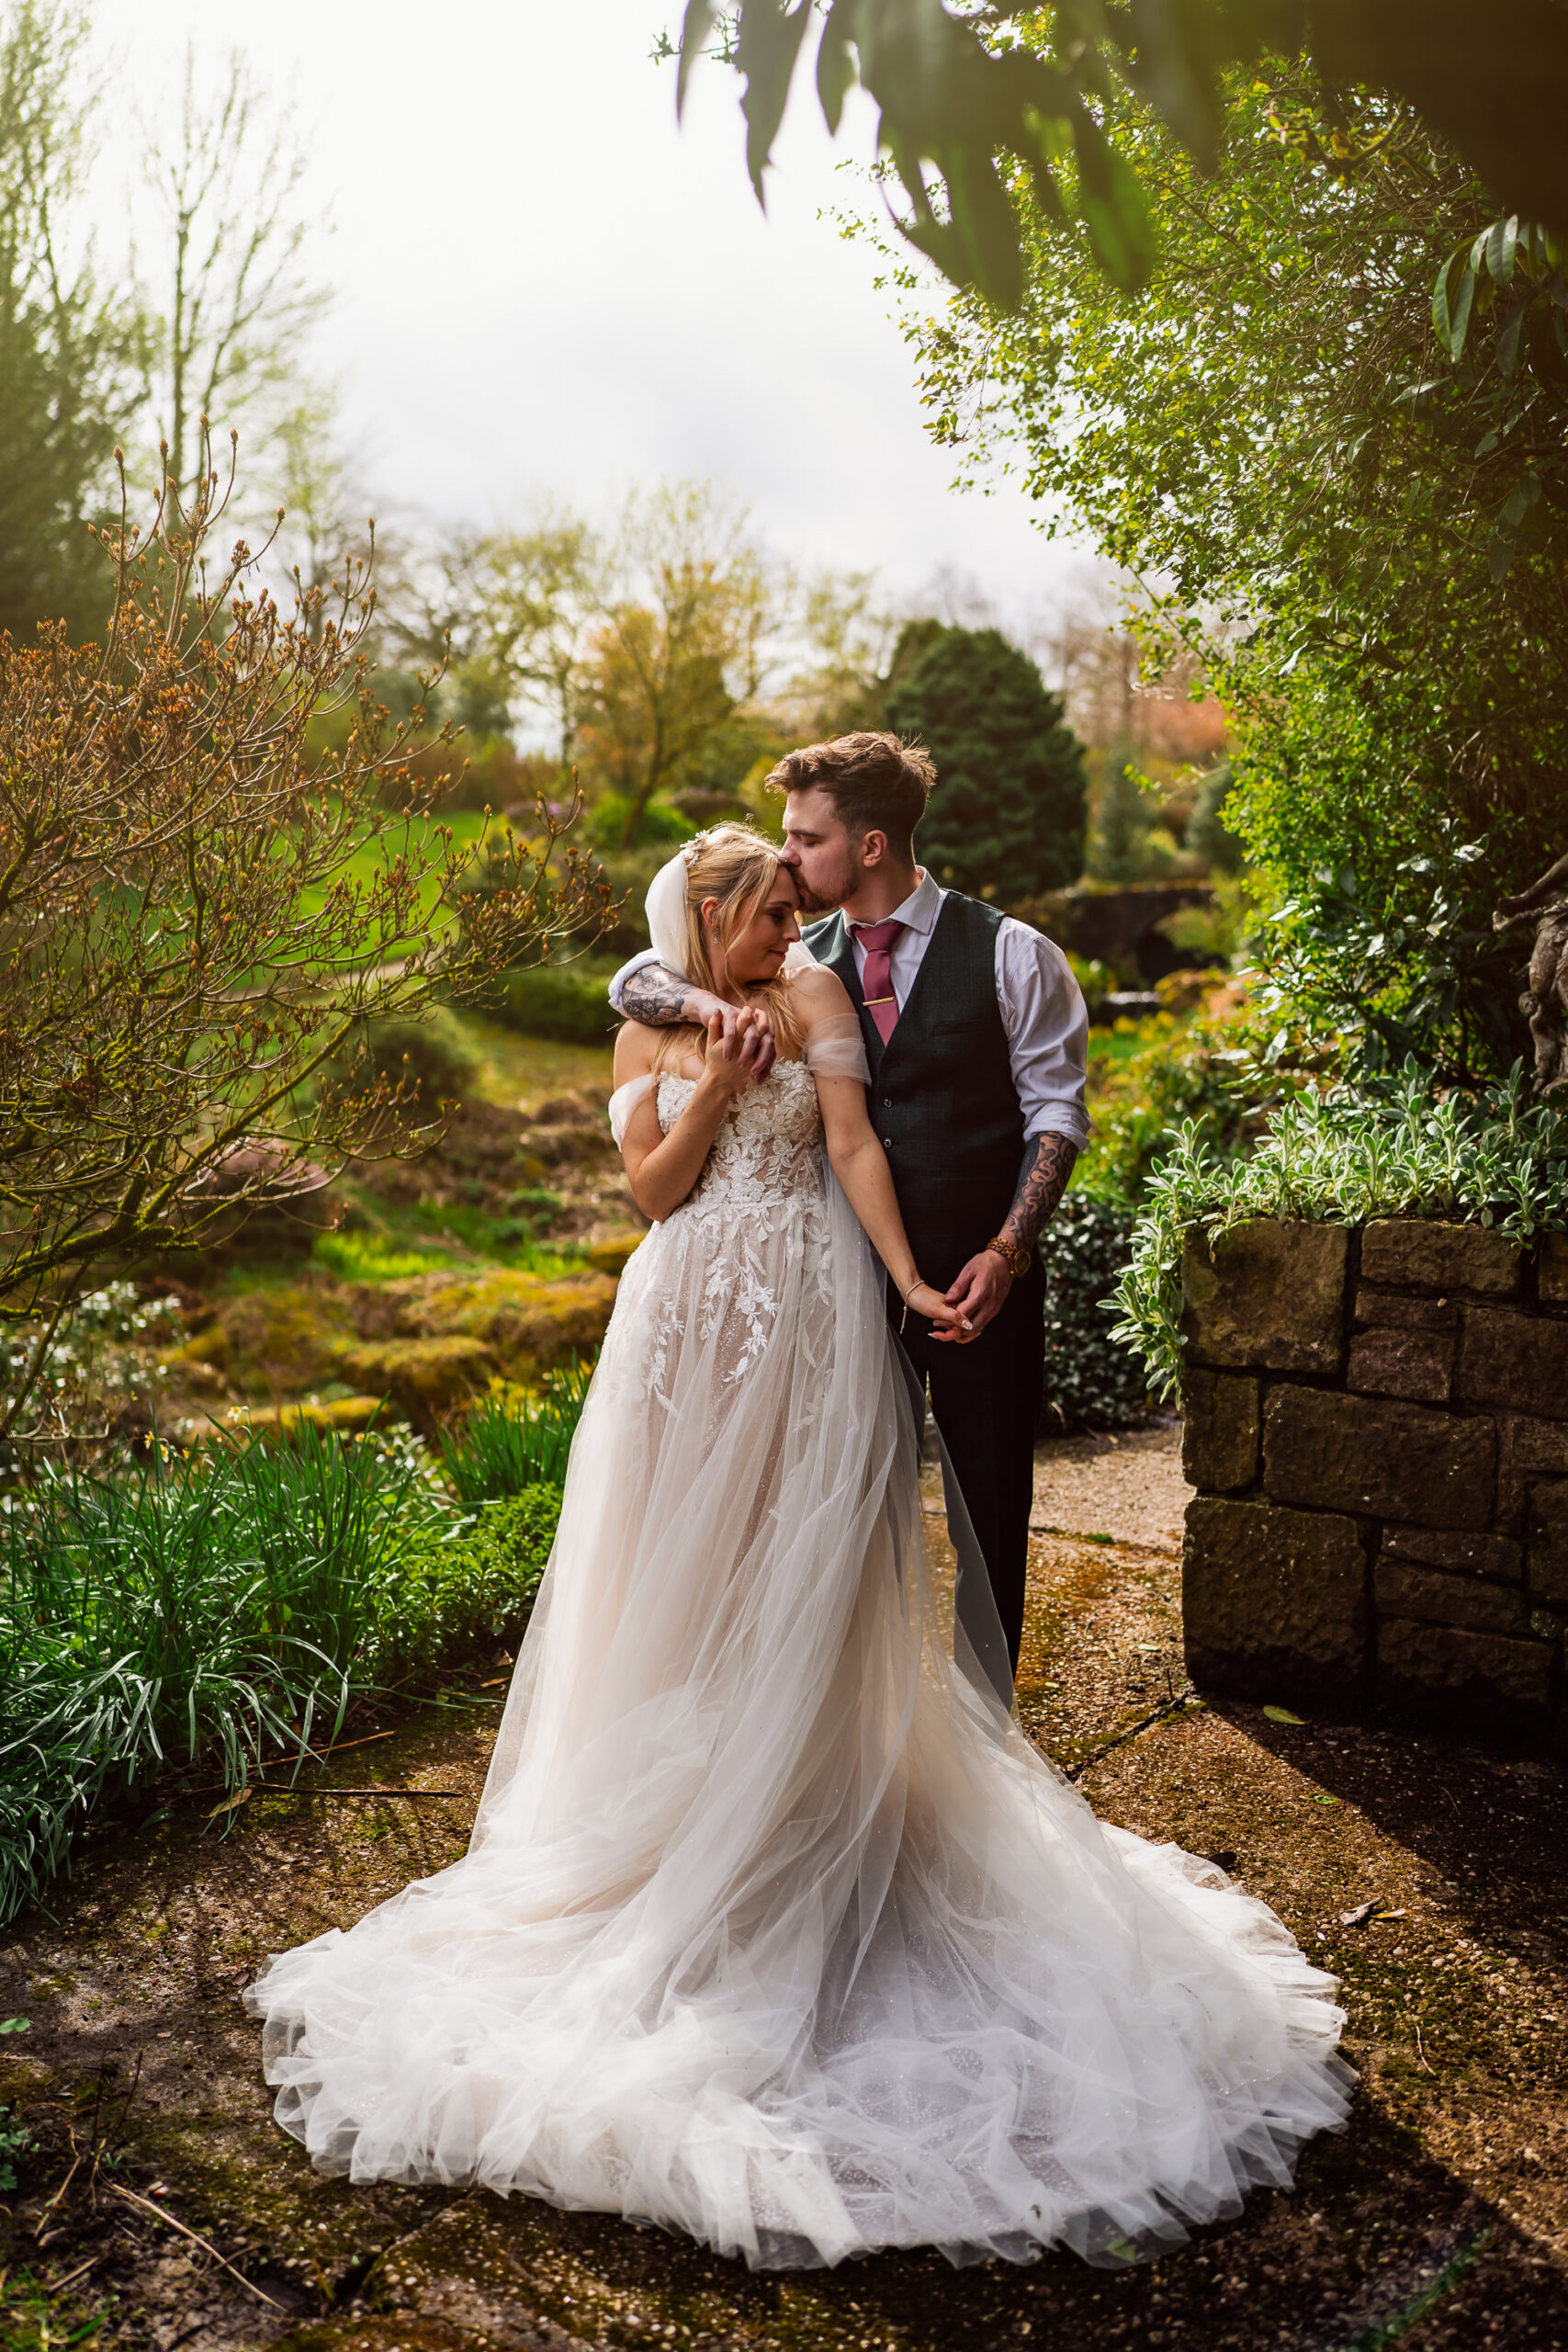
(774, 1928)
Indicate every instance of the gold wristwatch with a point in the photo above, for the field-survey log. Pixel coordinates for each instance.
(1015, 1259)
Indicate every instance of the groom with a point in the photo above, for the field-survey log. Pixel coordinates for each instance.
(975, 1034)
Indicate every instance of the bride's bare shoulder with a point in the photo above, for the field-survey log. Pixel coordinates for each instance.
(817, 994)
(635, 1045)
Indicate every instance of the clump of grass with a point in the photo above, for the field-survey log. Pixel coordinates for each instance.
(366, 1258)
(212, 1615)
(469, 1234)
(511, 1441)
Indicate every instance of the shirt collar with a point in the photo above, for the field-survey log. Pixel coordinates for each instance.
(920, 908)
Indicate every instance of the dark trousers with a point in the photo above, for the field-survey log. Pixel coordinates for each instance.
(986, 1400)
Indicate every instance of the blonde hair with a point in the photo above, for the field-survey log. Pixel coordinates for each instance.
(737, 867)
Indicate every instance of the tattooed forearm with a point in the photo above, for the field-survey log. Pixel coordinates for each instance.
(1042, 1180)
(657, 997)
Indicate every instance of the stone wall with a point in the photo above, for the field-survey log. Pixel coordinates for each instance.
(1376, 1424)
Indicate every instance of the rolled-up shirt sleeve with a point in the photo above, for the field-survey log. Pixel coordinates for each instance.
(617, 986)
(1047, 1030)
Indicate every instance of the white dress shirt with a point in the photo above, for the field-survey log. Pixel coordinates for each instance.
(1042, 1009)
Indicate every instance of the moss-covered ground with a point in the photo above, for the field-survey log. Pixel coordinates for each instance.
(492, 1252)
(1439, 2220)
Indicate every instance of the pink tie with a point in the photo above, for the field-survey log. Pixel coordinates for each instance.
(876, 981)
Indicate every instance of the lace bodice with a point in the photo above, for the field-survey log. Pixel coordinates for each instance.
(767, 1148)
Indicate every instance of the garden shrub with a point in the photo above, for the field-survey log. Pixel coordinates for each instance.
(1170, 1068)
(552, 1001)
(475, 1581)
(660, 821)
(1092, 1380)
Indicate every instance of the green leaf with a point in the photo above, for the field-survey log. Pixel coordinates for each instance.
(1508, 340)
(1282, 1715)
(694, 30)
(1501, 242)
(1115, 208)
(1175, 72)
(834, 60)
(1452, 302)
(1520, 499)
(765, 51)
(14, 2025)
(985, 228)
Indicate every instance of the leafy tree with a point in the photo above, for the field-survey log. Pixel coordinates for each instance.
(678, 651)
(1016, 109)
(1006, 814)
(66, 349)
(1275, 433)
(199, 914)
(847, 639)
(513, 610)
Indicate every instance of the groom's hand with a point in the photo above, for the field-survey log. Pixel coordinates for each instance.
(979, 1293)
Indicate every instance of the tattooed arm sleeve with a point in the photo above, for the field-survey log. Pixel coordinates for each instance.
(1043, 1179)
(661, 998)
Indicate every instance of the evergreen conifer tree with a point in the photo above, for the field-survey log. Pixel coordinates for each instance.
(1006, 819)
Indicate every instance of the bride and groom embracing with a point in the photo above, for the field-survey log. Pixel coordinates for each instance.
(774, 1928)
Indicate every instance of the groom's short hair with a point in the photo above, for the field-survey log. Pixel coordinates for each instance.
(876, 782)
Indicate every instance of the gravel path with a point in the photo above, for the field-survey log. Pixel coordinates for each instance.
(1439, 2220)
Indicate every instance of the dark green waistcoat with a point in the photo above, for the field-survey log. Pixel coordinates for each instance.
(942, 1096)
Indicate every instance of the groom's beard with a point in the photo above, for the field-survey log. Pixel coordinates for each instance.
(812, 902)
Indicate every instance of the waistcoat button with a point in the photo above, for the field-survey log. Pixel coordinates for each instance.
(888, 1102)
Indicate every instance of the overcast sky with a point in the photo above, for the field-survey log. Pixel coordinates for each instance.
(546, 285)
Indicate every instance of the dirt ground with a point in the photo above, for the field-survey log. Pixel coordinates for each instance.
(1439, 2219)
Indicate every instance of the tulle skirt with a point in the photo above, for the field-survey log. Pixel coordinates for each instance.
(774, 1929)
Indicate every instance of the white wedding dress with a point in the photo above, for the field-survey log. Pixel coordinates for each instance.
(774, 1930)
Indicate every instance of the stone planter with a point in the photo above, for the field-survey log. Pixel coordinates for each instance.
(1376, 1424)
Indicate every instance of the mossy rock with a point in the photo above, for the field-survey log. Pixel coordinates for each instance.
(213, 1349)
(425, 1377)
(609, 1256)
(276, 1341)
(525, 1323)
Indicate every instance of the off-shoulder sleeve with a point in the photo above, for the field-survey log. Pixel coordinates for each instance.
(624, 1102)
(836, 1049)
